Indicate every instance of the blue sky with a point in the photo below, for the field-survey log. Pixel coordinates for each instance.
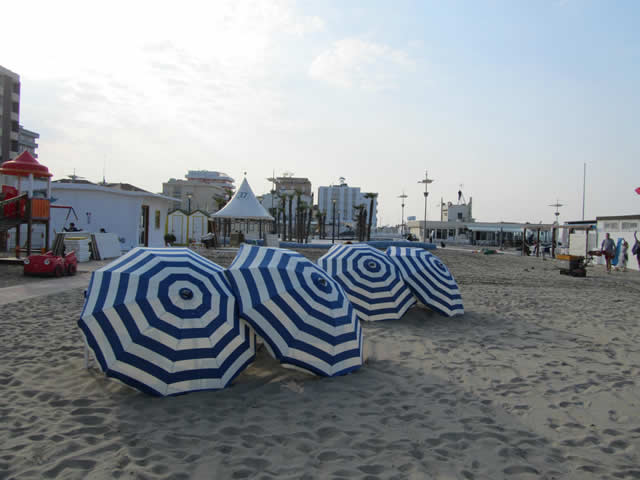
(507, 98)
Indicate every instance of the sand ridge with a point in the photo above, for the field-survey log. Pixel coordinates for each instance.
(536, 380)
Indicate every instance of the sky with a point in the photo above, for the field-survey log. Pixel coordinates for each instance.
(507, 98)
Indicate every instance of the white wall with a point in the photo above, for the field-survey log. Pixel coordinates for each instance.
(116, 211)
(156, 231)
(605, 226)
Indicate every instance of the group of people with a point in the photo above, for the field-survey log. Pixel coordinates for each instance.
(608, 249)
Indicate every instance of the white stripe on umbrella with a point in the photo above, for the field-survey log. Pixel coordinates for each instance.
(166, 322)
(370, 279)
(303, 315)
(429, 279)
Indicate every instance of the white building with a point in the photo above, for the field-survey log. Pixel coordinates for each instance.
(619, 228)
(346, 199)
(138, 217)
(461, 212)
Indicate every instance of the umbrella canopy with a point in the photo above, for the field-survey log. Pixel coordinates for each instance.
(429, 279)
(303, 315)
(164, 320)
(370, 280)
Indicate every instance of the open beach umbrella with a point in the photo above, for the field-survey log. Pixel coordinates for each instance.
(429, 279)
(164, 320)
(302, 314)
(370, 279)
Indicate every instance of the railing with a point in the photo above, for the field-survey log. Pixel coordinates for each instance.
(13, 208)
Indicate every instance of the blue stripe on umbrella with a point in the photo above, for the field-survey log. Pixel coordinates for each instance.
(429, 279)
(303, 315)
(370, 279)
(165, 321)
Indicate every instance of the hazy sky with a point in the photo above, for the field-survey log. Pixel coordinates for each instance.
(508, 98)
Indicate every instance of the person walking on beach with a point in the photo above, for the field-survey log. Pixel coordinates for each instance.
(624, 256)
(608, 249)
(636, 248)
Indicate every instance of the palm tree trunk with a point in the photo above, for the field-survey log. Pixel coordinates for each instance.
(290, 218)
(284, 219)
(370, 218)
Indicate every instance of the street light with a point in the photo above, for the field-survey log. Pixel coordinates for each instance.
(426, 182)
(403, 196)
(189, 195)
(333, 223)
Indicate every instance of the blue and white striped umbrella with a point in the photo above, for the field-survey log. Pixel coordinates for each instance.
(370, 279)
(164, 320)
(302, 314)
(429, 279)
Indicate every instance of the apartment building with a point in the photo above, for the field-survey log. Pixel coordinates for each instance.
(9, 114)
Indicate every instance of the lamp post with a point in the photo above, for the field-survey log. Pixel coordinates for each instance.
(189, 195)
(333, 223)
(426, 182)
(403, 196)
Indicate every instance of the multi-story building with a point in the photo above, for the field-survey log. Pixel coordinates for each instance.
(346, 200)
(9, 114)
(293, 185)
(27, 141)
(202, 190)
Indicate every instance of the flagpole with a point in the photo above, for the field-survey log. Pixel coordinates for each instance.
(584, 183)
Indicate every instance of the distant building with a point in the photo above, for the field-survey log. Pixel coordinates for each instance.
(9, 114)
(346, 200)
(461, 212)
(27, 141)
(293, 184)
(202, 190)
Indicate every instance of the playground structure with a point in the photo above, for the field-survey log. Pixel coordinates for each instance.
(25, 198)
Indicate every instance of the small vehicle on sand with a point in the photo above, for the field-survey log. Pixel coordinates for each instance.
(50, 264)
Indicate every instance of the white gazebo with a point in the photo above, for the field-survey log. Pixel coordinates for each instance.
(244, 212)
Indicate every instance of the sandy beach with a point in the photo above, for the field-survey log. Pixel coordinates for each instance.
(536, 380)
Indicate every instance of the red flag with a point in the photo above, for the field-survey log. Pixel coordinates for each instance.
(638, 190)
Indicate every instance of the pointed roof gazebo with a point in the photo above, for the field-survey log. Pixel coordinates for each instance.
(244, 205)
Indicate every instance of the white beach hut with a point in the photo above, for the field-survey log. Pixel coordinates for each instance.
(187, 227)
(177, 225)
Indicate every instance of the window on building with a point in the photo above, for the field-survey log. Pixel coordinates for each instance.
(459, 215)
(15, 127)
(14, 145)
(16, 88)
(629, 226)
(15, 107)
(156, 222)
(611, 226)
